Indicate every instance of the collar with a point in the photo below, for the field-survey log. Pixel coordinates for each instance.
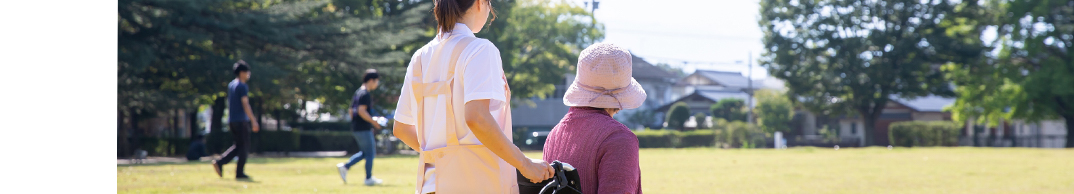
(588, 110)
(460, 30)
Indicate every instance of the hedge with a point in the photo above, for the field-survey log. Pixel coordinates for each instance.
(675, 139)
(284, 141)
(344, 126)
(165, 146)
(924, 133)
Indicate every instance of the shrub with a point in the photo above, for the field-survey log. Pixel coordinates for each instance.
(323, 126)
(741, 134)
(774, 111)
(700, 119)
(924, 133)
(657, 138)
(327, 141)
(730, 109)
(677, 115)
(697, 138)
(165, 146)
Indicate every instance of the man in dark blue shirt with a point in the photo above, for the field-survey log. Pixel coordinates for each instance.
(362, 124)
(240, 121)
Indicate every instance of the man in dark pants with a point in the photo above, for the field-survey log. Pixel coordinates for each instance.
(362, 124)
(240, 121)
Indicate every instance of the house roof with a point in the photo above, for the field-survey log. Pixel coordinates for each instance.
(644, 69)
(930, 103)
(713, 95)
(727, 79)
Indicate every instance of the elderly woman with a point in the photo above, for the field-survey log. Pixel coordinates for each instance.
(604, 151)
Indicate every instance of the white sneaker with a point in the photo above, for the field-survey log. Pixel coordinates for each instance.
(342, 171)
(373, 181)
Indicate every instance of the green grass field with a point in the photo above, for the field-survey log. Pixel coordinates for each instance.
(697, 170)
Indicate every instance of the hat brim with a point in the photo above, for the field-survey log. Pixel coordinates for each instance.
(631, 98)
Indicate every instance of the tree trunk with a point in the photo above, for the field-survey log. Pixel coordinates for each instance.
(869, 130)
(192, 119)
(175, 123)
(1070, 130)
(216, 123)
(277, 117)
(122, 144)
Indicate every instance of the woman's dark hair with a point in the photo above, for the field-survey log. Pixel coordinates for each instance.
(449, 12)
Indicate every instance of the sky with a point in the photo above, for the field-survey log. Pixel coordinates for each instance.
(693, 34)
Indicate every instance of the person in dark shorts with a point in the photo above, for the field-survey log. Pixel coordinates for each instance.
(240, 121)
(362, 124)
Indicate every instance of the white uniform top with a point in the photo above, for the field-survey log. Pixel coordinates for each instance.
(483, 80)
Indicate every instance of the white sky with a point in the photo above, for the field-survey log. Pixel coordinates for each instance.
(700, 32)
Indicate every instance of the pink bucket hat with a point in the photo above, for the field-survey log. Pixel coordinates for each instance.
(604, 79)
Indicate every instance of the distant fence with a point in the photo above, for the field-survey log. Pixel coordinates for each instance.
(1043, 141)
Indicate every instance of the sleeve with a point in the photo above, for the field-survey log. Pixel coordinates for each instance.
(483, 77)
(619, 170)
(354, 101)
(242, 91)
(406, 109)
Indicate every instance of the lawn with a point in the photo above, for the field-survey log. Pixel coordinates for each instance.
(696, 170)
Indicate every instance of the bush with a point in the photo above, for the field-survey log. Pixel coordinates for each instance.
(700, 119)
(730, 109)
(323, 126)
(740, 134)
(276, 141)
(924, 133)
(774, 111)
(697, 138)
(165, 146)
(677, 115)
(328, 141)
(675, 139)
(657, 138)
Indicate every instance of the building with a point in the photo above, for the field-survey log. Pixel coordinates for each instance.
(542, 114)
(704, 88)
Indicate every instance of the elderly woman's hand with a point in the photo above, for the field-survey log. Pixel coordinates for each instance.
(537, 170)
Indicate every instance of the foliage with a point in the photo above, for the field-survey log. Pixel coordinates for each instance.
(644, 117)
(774, 111)
(924, 133)
(739, 134)
(837, 56)
(675, 139)
(699, 118)
(539, 42)
(677, 115)
(731, 109)
(323, 126)
(1032, 78)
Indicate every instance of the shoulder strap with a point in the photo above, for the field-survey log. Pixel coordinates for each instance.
(422, 89)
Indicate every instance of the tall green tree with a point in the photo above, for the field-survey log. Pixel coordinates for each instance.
(1032, 77)
(854, 56)
(182, 51)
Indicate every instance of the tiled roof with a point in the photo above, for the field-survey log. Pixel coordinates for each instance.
(928, 103)
(644, 69)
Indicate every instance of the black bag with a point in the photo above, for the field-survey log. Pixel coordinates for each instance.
(565, 181)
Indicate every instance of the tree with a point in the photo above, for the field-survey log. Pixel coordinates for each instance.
(730, 109)
(700, 119)
(1032, 78)
(774, 111)
(539, 42)
(839, 56)
(178, 54)
(677, 115)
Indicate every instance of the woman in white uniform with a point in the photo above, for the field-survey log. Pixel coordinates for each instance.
(454, 109)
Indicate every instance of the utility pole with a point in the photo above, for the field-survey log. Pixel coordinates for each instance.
(749, 83)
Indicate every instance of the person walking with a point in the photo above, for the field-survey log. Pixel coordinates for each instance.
(240, 121)
(602, 150)
(454, 109)
(362, 125)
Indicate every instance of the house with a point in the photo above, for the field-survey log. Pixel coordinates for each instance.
(927, 108)
(704, 88)
(543, 114)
